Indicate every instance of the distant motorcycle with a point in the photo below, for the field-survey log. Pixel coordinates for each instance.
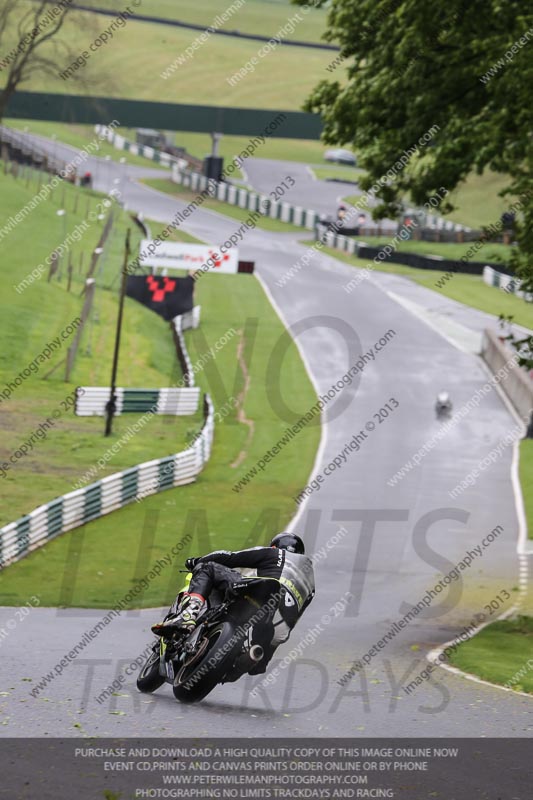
(443, 406)
(220, 649)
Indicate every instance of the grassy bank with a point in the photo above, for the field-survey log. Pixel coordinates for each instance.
(476, 200)
(500, 653)
(40, 312)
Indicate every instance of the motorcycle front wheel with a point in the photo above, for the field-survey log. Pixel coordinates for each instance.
(149, 678)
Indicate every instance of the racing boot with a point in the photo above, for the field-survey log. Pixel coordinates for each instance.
(185, 618)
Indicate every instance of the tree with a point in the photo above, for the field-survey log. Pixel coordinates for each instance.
(460, 68)
(30, 42)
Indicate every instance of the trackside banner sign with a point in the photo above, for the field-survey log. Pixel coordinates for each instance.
(167, 296)
(187, 256)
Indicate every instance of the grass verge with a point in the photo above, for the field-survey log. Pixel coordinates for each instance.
(526, 480)
(500, 654)
(324, 172)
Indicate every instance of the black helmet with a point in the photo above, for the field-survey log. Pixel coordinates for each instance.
(288, 541)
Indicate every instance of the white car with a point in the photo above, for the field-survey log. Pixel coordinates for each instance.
(340, 156)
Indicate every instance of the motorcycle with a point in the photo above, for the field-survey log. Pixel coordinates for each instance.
(443, 405)
(220, 649)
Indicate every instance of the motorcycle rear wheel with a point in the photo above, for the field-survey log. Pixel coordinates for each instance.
(196, 678)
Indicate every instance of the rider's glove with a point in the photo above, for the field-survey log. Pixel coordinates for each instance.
(191, 563)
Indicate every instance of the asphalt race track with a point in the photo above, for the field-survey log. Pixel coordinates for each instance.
(419, 532)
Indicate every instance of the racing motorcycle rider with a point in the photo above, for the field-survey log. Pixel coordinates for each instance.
(284, 560)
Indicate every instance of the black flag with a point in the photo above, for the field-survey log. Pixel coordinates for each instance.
(168, 297)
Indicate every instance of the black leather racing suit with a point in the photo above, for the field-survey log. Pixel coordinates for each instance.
(292, 570)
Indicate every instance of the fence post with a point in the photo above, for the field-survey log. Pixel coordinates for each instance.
(73, 349)
(53, 265)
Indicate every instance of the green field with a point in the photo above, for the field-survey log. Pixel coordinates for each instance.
(240, 214)
(264, 17)
(111, 545)
(131, 64)
(467, 289)
(500, 654)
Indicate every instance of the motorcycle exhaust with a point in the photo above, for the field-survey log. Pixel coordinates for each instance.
(256, 652)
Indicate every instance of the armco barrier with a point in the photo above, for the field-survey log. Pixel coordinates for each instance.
(516, 384)
(115, 491)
